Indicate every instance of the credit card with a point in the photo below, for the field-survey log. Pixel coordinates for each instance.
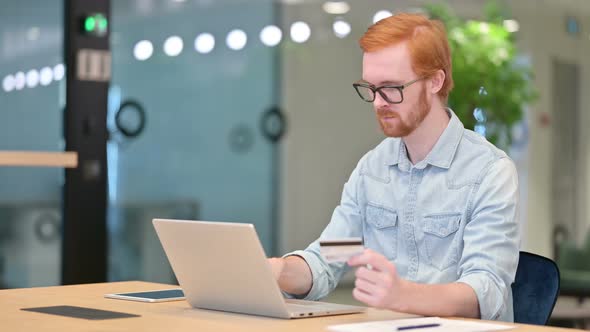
(340, 250)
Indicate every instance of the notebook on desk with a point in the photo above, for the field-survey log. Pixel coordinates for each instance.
(222, 266)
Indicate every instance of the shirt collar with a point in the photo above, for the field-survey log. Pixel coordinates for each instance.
(442, 153)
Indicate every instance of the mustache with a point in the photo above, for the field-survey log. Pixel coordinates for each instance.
(387, 113)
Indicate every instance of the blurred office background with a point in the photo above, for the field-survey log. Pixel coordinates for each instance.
(243, 110)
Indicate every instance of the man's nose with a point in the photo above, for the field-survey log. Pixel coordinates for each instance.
(379, 102)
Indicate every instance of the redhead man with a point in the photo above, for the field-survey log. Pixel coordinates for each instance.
(435, 204)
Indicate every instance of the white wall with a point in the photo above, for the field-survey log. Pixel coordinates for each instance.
(331, 128)
(543, 37)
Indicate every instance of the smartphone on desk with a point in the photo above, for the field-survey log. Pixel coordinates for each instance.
(164, 295)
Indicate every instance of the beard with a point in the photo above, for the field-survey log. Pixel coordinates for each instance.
(396, 126)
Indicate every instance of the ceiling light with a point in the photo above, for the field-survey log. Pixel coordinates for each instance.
(236, 39)
(143, 50)
(336, 7)
(19, 80)
(300, 32)
(32, 78)
(45, 76)
(381, 15)
(271, 35)
(341, 28)
(173, 46)
(59, 72)
(8, 83)
(204, 43)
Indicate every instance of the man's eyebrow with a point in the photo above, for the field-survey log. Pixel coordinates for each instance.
(382, 83)
(390, 83)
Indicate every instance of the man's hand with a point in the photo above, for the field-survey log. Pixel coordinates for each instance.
(377, 282)
(378, 285)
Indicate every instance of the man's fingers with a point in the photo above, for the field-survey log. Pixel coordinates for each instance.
(370, 258)
(364, 285)
(361, 296)
(368, 275)
(361, 259)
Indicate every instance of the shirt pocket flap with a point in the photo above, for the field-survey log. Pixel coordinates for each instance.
(380, 217)
(441, 225)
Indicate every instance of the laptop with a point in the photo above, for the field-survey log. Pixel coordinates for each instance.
(222, 266)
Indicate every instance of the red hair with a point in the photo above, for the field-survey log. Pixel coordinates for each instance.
(427, 43)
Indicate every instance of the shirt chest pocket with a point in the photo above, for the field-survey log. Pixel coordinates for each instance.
(380, 230)
(440, 240)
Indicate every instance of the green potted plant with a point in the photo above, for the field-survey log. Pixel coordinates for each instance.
(491, 87)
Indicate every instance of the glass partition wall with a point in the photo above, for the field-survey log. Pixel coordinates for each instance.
(193, 83)
(31, 107)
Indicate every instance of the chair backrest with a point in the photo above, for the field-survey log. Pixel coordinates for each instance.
(535, 289)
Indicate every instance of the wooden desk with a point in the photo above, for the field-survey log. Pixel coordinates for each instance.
(167, 316)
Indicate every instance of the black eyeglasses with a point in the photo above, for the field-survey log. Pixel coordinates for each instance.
(393, 94)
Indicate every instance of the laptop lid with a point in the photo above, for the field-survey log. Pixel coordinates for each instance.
(221, 266)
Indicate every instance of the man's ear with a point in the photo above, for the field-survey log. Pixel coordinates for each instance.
(436, 81)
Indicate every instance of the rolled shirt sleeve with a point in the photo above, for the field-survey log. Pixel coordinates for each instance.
(491, 242)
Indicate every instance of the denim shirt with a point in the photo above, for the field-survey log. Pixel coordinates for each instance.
(452, 217)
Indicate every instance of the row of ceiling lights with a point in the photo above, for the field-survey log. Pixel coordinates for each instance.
(270, 36)
(33, 78)
(237, 39)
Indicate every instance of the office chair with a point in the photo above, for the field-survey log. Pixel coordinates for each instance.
(535, 289)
